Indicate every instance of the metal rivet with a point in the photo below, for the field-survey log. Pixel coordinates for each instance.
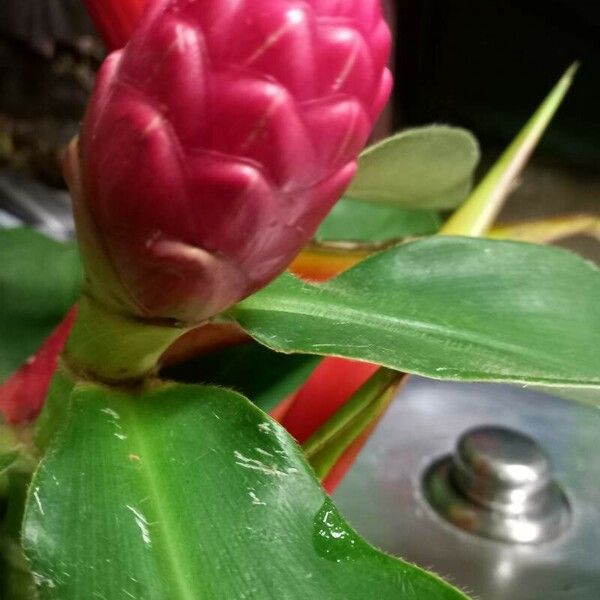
(498, 484)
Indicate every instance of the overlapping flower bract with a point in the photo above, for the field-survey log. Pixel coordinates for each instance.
(215, 143)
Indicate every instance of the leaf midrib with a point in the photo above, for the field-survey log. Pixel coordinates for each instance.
(168, 526)
(381, 322)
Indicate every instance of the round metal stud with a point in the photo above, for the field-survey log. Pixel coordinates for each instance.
(498, 484)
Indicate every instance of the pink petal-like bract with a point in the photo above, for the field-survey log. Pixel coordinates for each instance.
(115, 19)
(215, 143)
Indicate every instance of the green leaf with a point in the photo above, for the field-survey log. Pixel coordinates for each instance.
(363, 221)
(40, 279)
(328, 444)
(189, 492)
(16, 452)
(17, 463)
(9, 447)
(479, 212)
(7, 459)
(9, 455)
(263, 376)
(16, 582)
(54, 410)
(426, 168)
(447, 308)
(549, 229)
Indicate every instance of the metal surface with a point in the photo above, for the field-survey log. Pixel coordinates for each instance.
(497, 484)
(25, 202)
(383, 495)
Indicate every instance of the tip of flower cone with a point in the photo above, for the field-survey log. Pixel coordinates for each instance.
(115, 20)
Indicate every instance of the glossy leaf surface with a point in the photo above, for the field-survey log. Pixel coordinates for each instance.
(364, 221)
(40, 279)
(426, 168)
(448, 308)
(191, 492)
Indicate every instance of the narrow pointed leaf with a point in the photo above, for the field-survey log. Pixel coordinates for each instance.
(448, 308)
(545, 231)
(476, 216)
(190, 492)
(426, 168)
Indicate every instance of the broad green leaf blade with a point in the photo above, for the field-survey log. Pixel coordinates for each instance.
(263, 376)
(189, 492)
(447, 308)
(479, 212)
(428, 168)
(328, 444)
(40, 279)
(364, 221)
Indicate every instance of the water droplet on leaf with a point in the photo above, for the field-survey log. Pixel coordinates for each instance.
(332, 537)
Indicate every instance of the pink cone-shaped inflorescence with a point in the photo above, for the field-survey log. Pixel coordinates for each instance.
(215, 143)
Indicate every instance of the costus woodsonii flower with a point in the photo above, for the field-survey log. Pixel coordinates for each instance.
(216, 141)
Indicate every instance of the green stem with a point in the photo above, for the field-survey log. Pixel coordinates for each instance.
(113, 348)
(326, 446)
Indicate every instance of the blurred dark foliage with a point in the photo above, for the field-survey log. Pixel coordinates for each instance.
(487, 65)
(42, 24)
(482, 65)
(48, 57)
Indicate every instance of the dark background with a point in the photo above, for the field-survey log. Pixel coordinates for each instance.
(486, 65)
(483, 65)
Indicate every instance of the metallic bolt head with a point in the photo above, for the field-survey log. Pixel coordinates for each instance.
(501, 469)
(498, 484)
